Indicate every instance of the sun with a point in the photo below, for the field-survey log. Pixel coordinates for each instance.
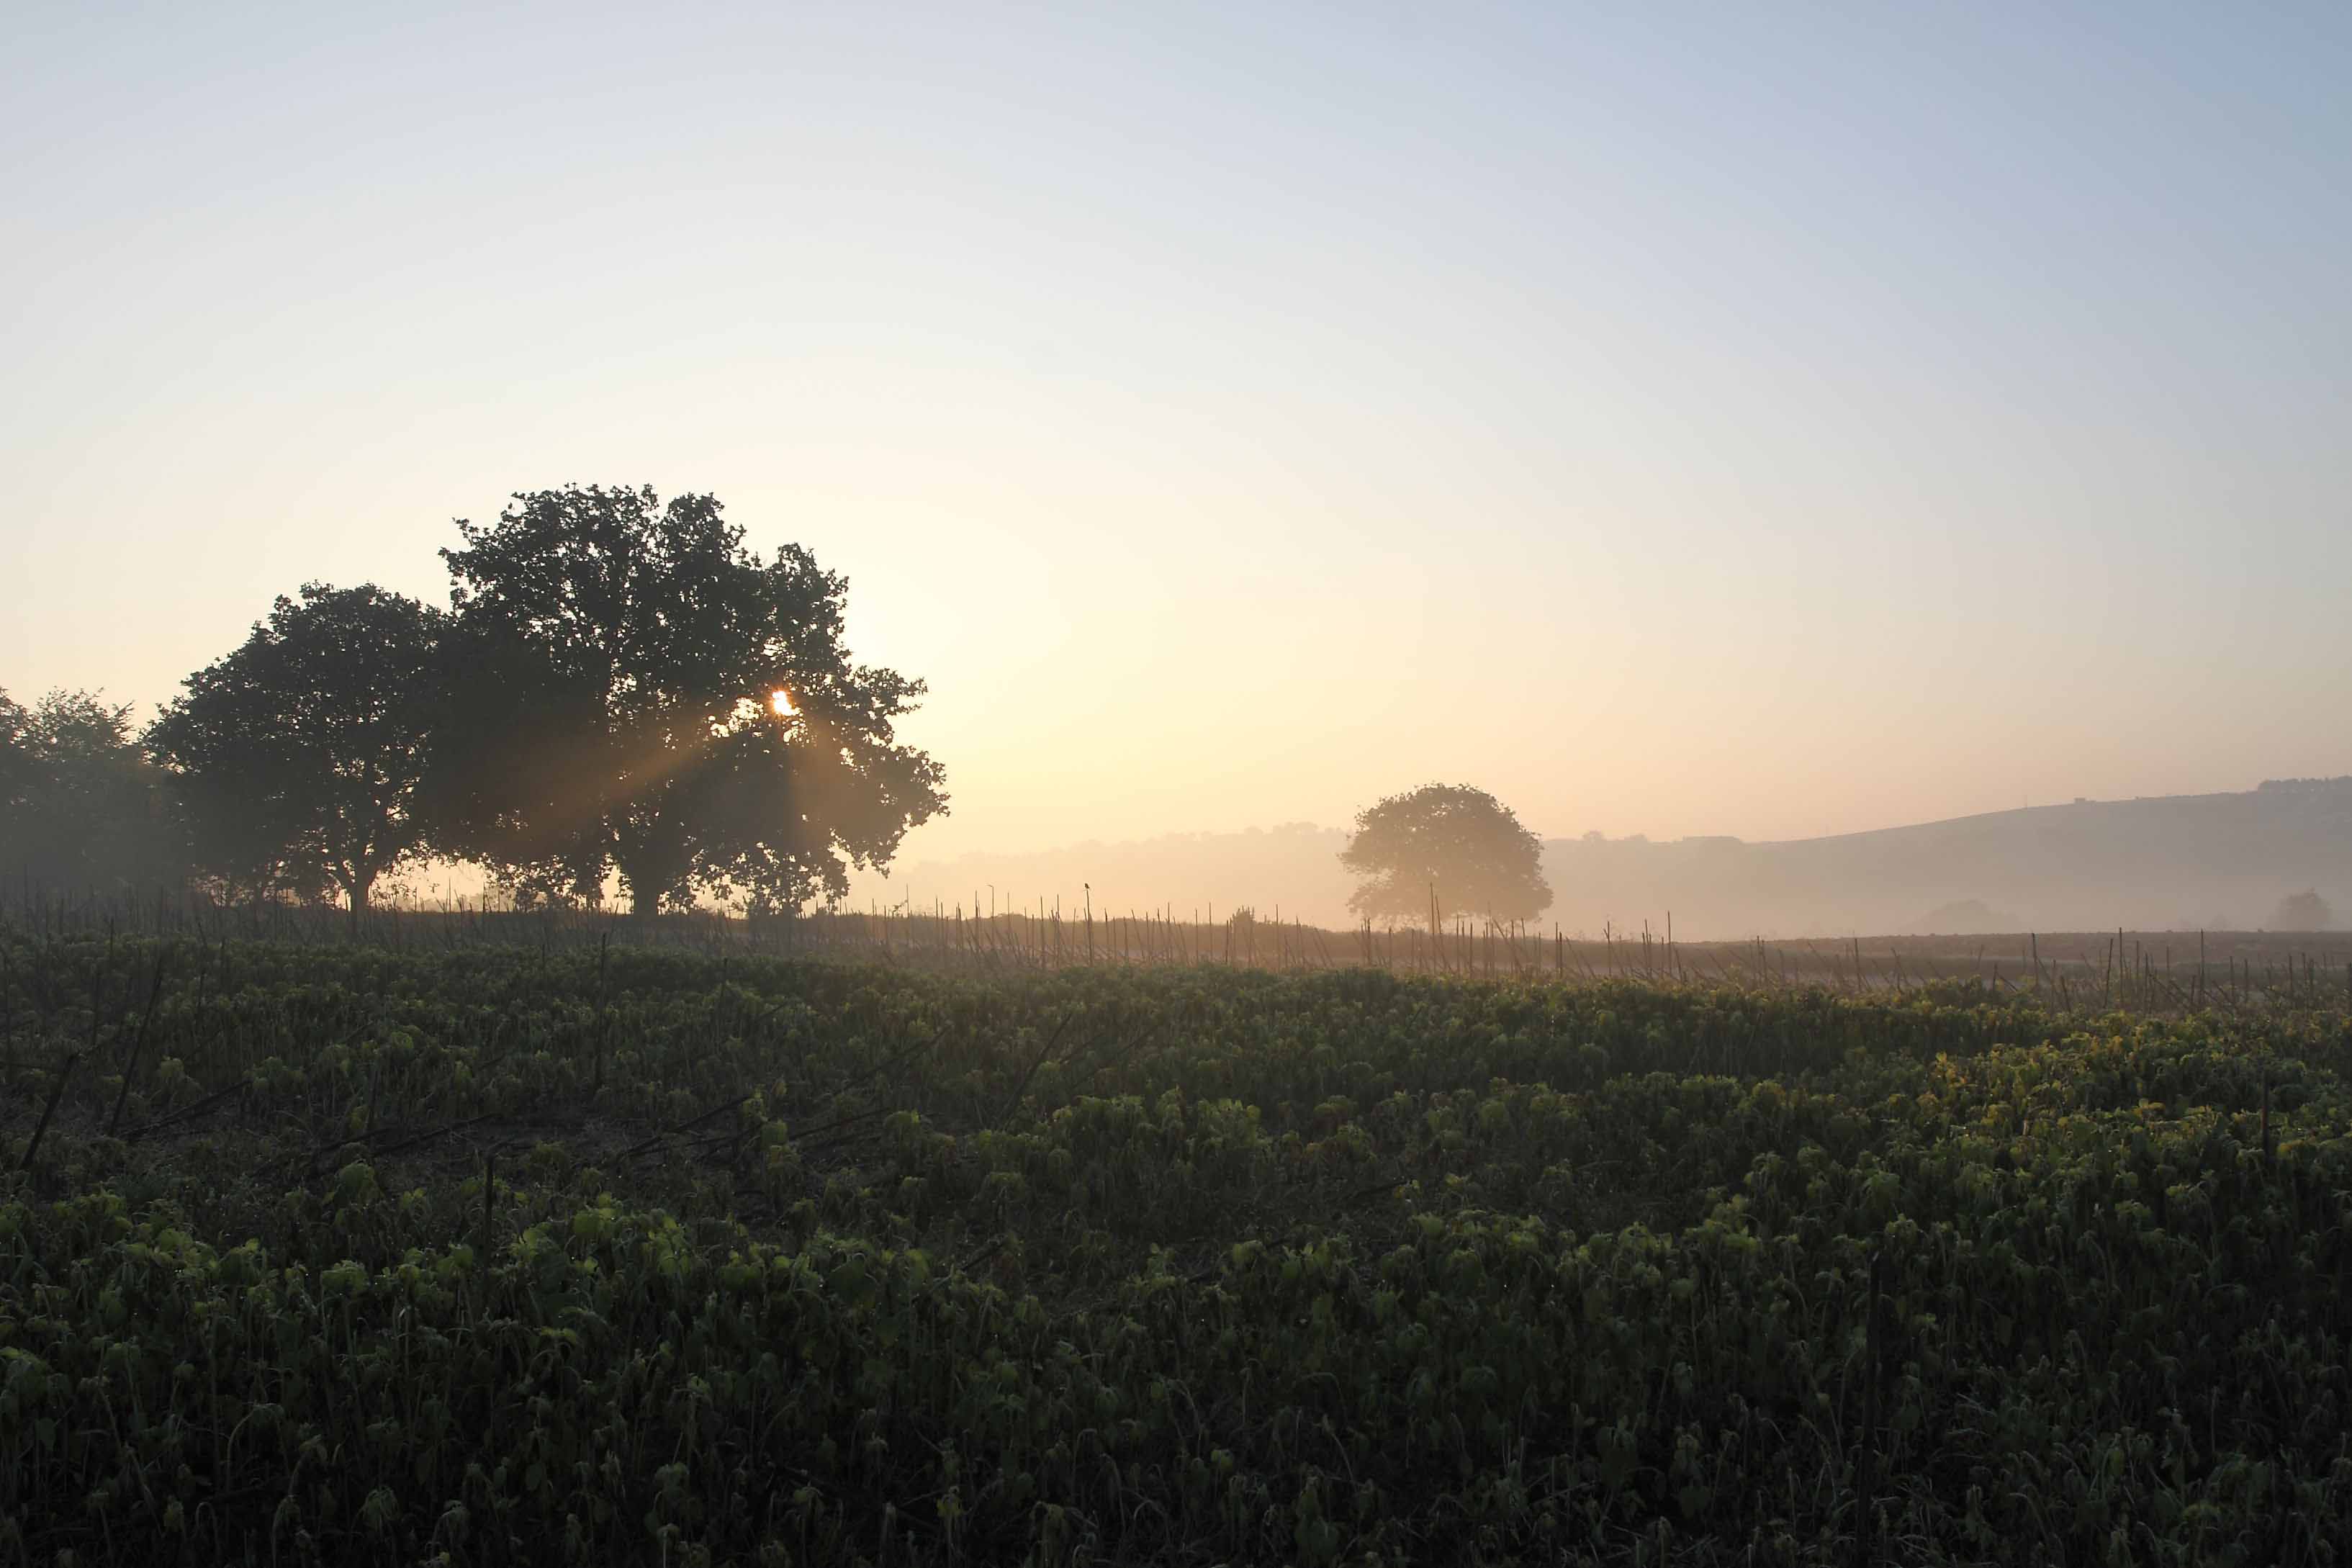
(780, 702)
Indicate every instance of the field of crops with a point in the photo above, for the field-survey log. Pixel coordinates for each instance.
(491, 1254)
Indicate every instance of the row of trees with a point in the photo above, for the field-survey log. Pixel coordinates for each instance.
(80, 803)
(619, 692)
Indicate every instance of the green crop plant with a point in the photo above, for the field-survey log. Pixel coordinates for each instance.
(341, 1254)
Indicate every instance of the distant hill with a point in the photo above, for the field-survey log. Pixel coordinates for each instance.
(2170, 862)
(2221, 861)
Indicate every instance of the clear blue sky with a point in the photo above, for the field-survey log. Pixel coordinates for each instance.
(1757, 419)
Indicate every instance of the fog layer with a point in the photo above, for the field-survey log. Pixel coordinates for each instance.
(2179, 862)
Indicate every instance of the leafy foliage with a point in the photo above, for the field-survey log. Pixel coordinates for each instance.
(80, 806)
(299, 754)
(610, 682)
(802, 1262)
(1460, 842)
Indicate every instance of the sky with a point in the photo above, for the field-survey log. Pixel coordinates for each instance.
(1762, 420)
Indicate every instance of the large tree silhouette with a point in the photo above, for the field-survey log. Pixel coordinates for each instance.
(297, 757)
(1461, 841)
(634, 694)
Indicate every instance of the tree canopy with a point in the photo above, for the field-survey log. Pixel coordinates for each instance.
(634, 693)
(1462, 841)
(16, 755)
(81, 811)
(299, 754)
(2305, 910)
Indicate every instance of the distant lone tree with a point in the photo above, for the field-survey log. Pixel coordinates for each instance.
(634, 694)
(2305, 910)
(298, 757)
(1461, 840)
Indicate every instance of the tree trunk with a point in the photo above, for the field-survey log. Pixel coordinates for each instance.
(643, 875)
(356, 892)
(643, 887)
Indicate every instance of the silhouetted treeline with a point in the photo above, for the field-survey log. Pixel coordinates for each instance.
(619, 693)
(82, 807)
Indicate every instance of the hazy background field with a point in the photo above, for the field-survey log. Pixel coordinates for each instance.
(2219, 862)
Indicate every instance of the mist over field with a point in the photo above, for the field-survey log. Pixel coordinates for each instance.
(2221, 862)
